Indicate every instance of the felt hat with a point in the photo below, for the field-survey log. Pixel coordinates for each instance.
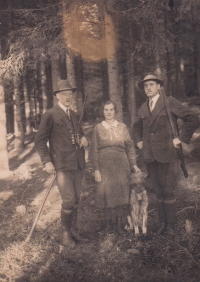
(150, 77)
(63, 85)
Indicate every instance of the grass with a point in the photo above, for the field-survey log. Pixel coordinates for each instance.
(106, 257)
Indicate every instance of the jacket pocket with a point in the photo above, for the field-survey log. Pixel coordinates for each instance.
(60, 128)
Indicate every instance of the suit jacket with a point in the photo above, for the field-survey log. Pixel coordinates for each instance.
(55, 128)
(155, 132)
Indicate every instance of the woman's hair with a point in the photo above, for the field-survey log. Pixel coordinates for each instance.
(110, 102)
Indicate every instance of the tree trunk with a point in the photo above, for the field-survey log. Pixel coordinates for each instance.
(131, 91)
(168, 69)
(27, 106)
(131, 74)
(19, 128)
(196, 43)
(105, 82)
(55, 72)
(31, 90)
(49, 86)
(9, 103)
(113, 75)
(70, 66)
(43, 86)
(158, 69)
(4, 164)
(177, 60)
(38, 94)
(80, 83)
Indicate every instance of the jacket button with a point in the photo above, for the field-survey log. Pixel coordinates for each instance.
(151, 133)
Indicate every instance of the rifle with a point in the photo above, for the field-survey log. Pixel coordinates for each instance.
(174, 132)
(82, 112)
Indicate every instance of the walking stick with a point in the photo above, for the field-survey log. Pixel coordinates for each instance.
(40, 209)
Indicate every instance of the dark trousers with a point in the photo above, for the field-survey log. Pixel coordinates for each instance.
(164, 180)
(69, 185)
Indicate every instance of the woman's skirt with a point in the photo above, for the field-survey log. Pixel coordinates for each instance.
(113, 190)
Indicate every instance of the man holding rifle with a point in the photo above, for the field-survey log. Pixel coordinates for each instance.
(65, 157)
(156, 133)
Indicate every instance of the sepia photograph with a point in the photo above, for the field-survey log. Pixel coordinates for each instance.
(100, 140)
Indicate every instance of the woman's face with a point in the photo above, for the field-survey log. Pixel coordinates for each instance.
(109, 112)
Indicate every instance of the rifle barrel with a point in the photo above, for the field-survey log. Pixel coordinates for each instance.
(174, 133)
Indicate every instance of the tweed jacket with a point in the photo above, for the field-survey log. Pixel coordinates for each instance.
(155, 132)
(55, 129)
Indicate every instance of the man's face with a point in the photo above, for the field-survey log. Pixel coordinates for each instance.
(65, 97)
(151, 88)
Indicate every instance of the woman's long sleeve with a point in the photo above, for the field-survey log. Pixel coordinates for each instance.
(130, 151)
(95, 149)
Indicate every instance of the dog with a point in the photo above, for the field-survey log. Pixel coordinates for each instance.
(138, 204)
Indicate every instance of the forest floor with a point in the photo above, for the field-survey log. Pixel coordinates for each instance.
(106, 258)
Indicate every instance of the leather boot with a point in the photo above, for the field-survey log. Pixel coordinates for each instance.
(171, 217)
(66, 227)
(162, 218)
(74, 233)
(120, 230)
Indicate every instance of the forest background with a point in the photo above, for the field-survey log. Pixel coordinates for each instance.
(104, 48)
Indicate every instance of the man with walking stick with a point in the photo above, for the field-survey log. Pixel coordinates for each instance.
(65, 157)
(156, 133)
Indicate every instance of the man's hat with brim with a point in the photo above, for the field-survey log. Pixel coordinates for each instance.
(63, 85)
(150, 77)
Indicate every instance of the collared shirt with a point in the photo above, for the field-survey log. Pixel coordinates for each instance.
(154, 99)
(63, 107)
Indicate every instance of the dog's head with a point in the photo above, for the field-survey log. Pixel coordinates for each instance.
(136, 182)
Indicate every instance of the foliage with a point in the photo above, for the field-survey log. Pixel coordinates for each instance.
(38, 36)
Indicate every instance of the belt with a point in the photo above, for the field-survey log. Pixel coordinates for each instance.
(114, 148)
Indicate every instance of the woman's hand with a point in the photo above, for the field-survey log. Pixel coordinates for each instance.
(136, 169)
(83, 142)
(140, 145)
(97, 176)
(176, 142)
(49, 167)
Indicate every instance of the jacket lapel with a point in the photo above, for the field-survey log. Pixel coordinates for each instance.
(61, 116)
(145, 110)
(156, 111)
(73, 119)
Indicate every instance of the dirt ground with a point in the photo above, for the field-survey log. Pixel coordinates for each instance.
(112, 258)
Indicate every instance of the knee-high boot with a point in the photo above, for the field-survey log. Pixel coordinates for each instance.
(170, 207)
(120, 229)
(162, 217)
(74, 233)
(66, 221)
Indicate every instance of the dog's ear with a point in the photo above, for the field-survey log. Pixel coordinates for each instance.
(136, 178)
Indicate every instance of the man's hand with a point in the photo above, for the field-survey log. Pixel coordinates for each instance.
(97, 176)
(83, 142)
(136, 169)
(140, 145)
(176, 142)
(49, 167)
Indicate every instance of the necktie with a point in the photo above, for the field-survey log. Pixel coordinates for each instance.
(68, 113)
(151, 105)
